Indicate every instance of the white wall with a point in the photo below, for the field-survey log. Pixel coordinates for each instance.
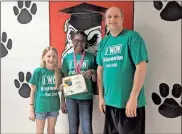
(163, 41)
(29, 40)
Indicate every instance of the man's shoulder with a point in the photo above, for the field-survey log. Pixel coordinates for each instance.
(104, 38)
(103, 41)
(131, 32)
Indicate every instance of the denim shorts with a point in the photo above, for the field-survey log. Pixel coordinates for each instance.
(44, 115)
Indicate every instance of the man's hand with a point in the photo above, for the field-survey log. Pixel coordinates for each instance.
(131, 107)
(102, 105)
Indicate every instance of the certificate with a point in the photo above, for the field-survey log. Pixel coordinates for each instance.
(74, 85)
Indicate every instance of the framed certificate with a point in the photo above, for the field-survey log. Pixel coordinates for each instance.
(74, 85)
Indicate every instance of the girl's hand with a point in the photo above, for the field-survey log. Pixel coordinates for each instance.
(32, 115)
(61, 87)
(63, 107)
(88, 74)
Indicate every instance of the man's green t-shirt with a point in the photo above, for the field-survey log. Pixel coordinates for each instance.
(46, 97)
(68, 69)
(118, 57)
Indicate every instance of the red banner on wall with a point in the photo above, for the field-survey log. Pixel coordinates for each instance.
(64, 20)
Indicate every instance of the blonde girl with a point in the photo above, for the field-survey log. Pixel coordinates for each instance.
(44, 97)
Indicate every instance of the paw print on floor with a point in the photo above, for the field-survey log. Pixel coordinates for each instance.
(171, 12)
(22, 84)
(170, 108)
(24, 11)
(6, 44)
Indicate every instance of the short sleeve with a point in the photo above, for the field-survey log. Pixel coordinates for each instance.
(35, 77)
(98, 57)
(138, 49)
(65, 67)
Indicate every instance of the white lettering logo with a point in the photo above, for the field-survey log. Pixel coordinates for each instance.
(115, 49)
(84, 64)
(115, 58)
(50, 79)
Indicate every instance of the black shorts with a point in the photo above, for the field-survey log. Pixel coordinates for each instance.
(116, 121)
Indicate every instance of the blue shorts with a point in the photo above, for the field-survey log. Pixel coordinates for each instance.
(44, 115)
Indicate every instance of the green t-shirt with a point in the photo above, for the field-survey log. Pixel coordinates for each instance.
(68, 69)
(118, 57)
(46, 97)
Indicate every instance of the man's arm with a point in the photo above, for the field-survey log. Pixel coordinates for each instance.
(138, 52)
(102, 106)
(99, 81)
(139, 78)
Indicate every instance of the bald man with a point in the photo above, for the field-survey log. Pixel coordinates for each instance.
(121, 59)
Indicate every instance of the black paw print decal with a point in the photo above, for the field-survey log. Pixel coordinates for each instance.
(170, 108)
(24, 11)
(171, 12)
(22, 84)
(6, 45)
